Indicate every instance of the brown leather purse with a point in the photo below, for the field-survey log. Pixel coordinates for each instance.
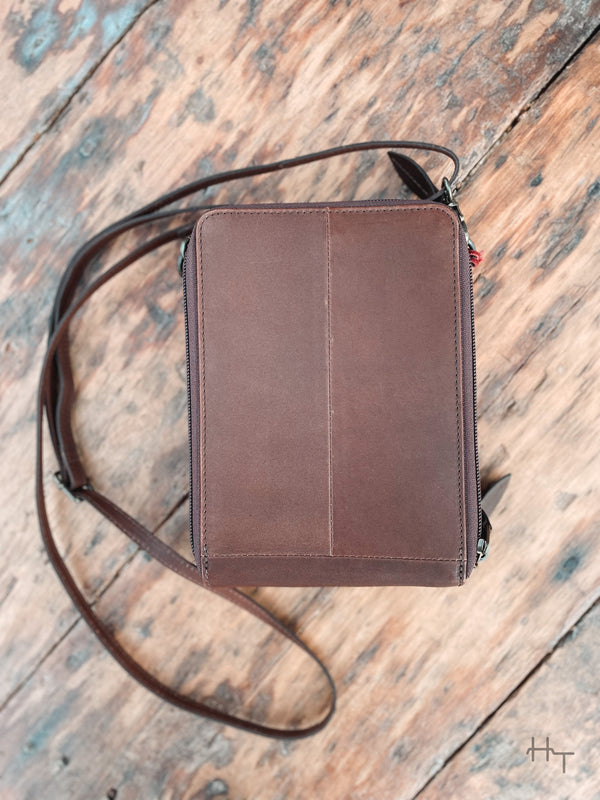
(332, 397)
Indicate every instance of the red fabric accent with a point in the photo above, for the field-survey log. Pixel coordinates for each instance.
(475, 257)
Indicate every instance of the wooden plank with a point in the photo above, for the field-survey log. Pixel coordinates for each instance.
(559, 702)
(105, 158)
(124, 724)
(47, 52)
(436, 702)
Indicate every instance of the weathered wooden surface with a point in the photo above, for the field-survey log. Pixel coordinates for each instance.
(419, 671)
(47, 52)
(561, 702)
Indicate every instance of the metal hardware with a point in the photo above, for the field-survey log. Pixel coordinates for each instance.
(483, 543)
(449, 194)
(450, 201)
(181, 259)
(59, 481)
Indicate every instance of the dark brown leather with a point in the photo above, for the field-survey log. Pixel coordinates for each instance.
(413, 175)
(56, 396)
(331, 378)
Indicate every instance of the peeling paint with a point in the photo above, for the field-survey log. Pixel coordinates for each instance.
(38, 36)
(569, 564)
(508, 37)
(85, 18)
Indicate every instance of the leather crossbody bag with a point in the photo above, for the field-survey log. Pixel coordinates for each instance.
(332, 396)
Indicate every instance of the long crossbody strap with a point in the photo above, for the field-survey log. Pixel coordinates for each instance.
(56, 397)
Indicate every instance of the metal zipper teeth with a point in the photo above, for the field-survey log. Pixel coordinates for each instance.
(189, 385)
(451, 203)
(477, 476)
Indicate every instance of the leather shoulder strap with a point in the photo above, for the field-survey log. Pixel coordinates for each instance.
(56, 396)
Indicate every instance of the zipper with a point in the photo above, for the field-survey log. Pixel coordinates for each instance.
(483, 524)
(482, 540)
(449, 199)
(182, 265)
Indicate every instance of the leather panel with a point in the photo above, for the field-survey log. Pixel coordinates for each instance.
(263, 291)
(327, 571)
(395, 433)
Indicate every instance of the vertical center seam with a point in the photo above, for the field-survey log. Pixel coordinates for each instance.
(329, 401)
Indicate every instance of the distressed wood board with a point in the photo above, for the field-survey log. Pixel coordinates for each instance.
(419, 672)
(557, 711)
(49, 50)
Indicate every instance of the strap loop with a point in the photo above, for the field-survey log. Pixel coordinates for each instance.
(60, 482)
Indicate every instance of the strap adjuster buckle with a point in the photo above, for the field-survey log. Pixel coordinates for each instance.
(59, 481)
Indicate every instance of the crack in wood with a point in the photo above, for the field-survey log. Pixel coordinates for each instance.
(562, 641)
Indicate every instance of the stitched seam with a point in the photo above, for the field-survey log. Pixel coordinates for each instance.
(414, 206)
(329, 400)
(187, 572)
(325, 555)
(203, 442)
(233, 212)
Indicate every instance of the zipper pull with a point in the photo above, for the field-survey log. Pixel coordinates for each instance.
(483, 543)
(450, 201)
(494, 492)
(183, 248)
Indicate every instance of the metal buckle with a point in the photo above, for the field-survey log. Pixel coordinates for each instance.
(59, 481)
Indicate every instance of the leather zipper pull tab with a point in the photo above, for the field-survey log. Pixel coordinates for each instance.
(492, 495)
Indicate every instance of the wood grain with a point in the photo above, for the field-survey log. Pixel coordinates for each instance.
(418, 671)
(112, 148)
(47, 52)
(561, 702)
